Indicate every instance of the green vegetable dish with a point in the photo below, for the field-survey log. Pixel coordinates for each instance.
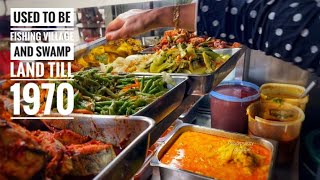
(106, 94)
(182, 58)
(187, 59)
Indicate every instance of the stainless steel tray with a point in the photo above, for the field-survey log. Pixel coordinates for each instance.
(197, 84)
(167, 172)
(200, 84)
(166, 103)
(133, 130)
(191, 112)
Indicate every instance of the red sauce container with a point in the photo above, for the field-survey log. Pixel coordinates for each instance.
(228, 104)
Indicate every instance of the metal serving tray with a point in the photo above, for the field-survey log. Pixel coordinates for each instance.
(132, 133)
(167, 172)
(200, 84)
(197, 84)
(203, 84)
(165, 104)
(191, 112)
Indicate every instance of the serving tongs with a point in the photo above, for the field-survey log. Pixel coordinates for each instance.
(87, 47)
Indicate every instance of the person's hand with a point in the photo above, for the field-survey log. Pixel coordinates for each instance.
(128, 24)
(138, 21)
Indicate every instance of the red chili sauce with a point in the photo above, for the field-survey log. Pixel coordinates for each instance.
(229, 115)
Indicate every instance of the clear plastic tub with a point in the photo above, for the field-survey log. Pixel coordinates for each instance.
(289, 93)
(278, 121)
(228, 103)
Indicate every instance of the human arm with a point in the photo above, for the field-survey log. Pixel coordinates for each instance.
(139, 21)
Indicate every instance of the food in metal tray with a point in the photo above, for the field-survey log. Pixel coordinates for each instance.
(21, 155)
(46, 154)
(181, 58)
(109, 52)
(181, 36)
(106, 94)
(178, 52)
(218, 157)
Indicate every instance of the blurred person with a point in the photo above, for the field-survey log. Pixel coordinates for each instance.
(91, 20)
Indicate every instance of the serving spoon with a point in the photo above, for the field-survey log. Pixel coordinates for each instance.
(308, 89)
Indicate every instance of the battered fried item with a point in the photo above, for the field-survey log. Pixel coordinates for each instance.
(60, 163)
(68, 137)
(74, 154)
(27, 154)
(4, 113)
(174, 37)
(21, 154)
(90, 158)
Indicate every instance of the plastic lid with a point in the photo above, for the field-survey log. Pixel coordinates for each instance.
(233, 98)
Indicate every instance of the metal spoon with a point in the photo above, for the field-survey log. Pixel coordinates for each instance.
(308, 89)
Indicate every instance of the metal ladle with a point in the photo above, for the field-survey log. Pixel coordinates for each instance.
(308, 89)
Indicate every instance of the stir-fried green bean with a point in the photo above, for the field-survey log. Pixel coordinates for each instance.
(103, 93)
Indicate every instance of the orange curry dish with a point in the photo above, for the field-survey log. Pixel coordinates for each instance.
(218, 157)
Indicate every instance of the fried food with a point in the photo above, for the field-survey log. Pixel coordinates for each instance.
(181, 36)
(22, 156)
(89, 158)
(48, 155)
(60, 164)
(68, 137)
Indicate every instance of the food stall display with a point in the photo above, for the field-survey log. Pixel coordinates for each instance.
(206, 61)
(155, 106)
(94, 144)
(116, 78)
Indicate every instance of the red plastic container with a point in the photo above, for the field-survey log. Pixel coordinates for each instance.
(229, 102)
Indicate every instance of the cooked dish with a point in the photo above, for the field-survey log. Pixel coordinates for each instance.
(178, 52)
(179, 59)
(44, 154)
(109, 52)
(181, 36)
(218, 157)
(97, 92)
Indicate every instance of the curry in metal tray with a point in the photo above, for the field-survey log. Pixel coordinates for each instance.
(218, 157)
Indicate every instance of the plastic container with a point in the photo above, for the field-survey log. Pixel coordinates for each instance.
(288, 93)
(278, 121)
(228, 103)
